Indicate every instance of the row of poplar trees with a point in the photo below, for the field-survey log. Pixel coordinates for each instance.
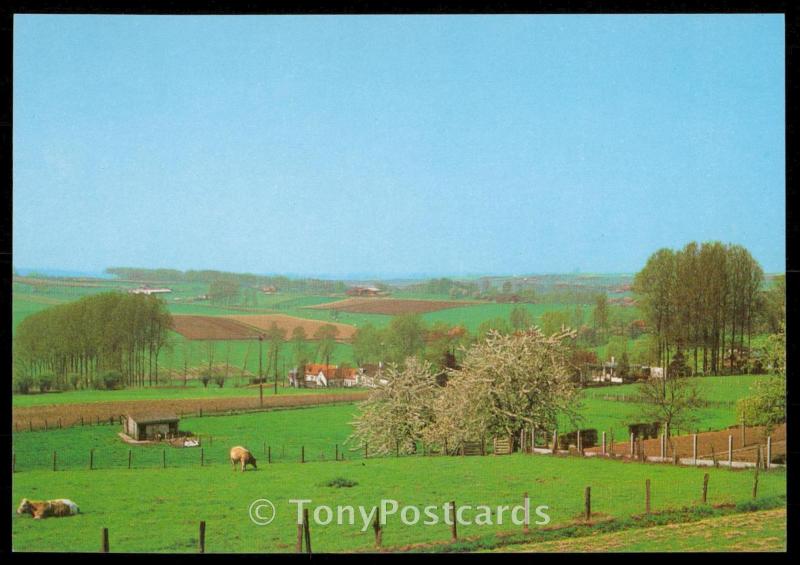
(704, 299)
(105, 332)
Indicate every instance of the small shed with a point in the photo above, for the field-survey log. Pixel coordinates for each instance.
(146, 426)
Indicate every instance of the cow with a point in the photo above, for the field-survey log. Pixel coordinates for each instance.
(46, 508)
(243, 457)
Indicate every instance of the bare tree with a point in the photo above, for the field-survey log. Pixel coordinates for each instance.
(670, 400)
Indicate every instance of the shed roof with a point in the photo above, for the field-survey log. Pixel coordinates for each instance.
(153, 417)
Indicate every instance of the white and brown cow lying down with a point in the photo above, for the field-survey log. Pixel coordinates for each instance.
(243, 457)
(46, 508)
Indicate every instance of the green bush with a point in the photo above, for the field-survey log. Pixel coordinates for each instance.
(22, 383)
(110, 380)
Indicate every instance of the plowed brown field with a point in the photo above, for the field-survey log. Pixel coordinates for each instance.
(263, 322)
(211, 327)
(71, 414)
(390, 306)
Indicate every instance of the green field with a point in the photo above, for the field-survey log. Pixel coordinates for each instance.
(319, 429)
(159, 509)
(721, 392)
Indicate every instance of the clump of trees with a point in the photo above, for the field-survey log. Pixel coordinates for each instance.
(767, 406)
(82, 342)
(505, 382)
(705, 298)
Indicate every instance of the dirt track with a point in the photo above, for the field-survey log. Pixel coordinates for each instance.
(70, 414)
(710, 444)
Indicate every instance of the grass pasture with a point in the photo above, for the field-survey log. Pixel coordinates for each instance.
(159, 509)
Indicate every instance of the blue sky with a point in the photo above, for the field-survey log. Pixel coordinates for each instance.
(389, 146)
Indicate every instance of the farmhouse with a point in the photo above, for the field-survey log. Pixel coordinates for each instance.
(147, 290)
(147, 426)
(364, 291)
(268, 289)
(323, 376)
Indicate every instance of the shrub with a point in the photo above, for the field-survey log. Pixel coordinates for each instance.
(340, 482)
(110, 380)
(22, 383)
(45, 381)
(205, 379)
(219, 380)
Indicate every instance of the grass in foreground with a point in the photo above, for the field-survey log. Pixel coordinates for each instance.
(158, 510)
(750, 531)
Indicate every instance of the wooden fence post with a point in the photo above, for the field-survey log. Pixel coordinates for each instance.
(663, 445)
(366, 450)
(130, 455)
(336, 454)
(202, 548)
(555, 440)
(647, 496)
(45, 424)
(164, 458)
(104, 541)
(579, 443)
(307, 531)
(298, 546)
(768, 462)
(30, 426)
(526, 505)
(632, 439)
(54, 460)
(269, 454)
(302, 454)
(59, 423)
(705, 488)
(376, 525)
(588, 503)
(81, 421)
(755, 476)
(694, 449)
(604, 444)
(91, 459)
(453, 527)
(202, 461)
(730, 451)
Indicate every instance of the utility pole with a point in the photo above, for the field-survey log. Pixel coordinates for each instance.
(260, 355)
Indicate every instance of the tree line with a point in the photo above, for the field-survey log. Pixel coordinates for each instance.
(102, 340)
(708, 299)
(302, 285)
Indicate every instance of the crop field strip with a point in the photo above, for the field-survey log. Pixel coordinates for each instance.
(391, 306)
(211, 328)
(264, 322)
(62, 416)
(249, 326)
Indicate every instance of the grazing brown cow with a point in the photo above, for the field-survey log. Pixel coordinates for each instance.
(46, 508)
(243, 457)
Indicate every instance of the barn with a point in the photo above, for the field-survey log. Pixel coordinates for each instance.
(147, 426)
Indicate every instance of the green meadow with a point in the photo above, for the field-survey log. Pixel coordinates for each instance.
(158, 510)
